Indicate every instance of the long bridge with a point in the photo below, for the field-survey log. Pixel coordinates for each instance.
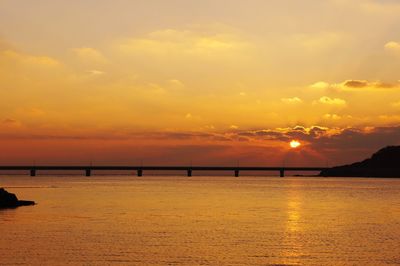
(33, 170)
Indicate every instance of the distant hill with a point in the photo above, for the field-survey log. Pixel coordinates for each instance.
(384, 163)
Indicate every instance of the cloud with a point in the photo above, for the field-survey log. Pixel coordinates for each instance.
(392, 46)
(176, 83)
(390, 119)
(359, 84)
(320, 85)
(9, 122)
(90, 55)
(29, 60)
(293, 100)
(332, 117)
(96, 72)
(285, 134)
(174, 42)
(331, 101)
(314, 135)
(364, 138)
(338, 145)
(279, 134)
(356, 85)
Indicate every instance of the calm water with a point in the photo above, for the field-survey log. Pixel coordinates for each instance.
(202, 221)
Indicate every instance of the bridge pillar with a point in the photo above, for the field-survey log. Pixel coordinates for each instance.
(189, 172)
(33, 172)
(282, 172)
(88, 172)
(236, 173)
(139, 172)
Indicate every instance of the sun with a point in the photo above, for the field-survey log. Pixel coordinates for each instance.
(295, 144)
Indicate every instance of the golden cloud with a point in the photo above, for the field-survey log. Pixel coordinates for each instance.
(332, 117)
(392, 46)
(29, 60)
(320, 85)
(293, 100)
(331, 101)
(90, 55)
(183, 42)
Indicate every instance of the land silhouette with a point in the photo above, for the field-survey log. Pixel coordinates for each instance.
(10, 201)
(383, 163)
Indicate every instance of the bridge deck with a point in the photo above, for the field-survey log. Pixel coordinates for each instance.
(89, 168)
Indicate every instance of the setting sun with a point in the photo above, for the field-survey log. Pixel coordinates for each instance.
(295, 144)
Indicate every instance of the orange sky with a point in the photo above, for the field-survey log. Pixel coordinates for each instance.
(203, 81)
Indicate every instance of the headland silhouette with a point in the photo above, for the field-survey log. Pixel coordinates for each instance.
(383, 163)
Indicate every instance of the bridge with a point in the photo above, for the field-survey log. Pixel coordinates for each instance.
(33, 170)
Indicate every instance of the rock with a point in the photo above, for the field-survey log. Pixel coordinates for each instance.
(9, 200)
(384, 163)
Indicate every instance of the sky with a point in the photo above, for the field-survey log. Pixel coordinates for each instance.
(200, 82)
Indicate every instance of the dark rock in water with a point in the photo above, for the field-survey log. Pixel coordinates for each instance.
(9, 200)
(384, 163)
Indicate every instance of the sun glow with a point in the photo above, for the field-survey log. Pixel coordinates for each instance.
(295, 144)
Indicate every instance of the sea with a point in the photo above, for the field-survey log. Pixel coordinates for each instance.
(213, 220)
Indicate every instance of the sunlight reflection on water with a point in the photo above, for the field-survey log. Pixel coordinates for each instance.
(202, 221)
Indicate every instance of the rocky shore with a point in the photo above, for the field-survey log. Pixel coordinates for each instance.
(10, 200)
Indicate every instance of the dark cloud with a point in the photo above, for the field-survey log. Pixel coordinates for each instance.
(356, 83)
(286, 134)
(385, 85)
(352, 138)
(359, 84)
(350, 145)
(263, 134)
(335, 145)
(321, 137)
(10, 121)
(119, 136)
(317, 131)
(182, 136)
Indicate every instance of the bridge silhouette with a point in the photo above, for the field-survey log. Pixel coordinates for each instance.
(33, 170)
